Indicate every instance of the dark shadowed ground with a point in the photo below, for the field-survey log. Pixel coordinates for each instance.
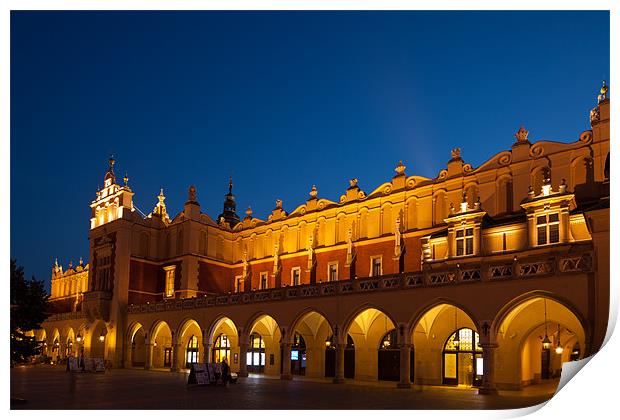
(50, 387)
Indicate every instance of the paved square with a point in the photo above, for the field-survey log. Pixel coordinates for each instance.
(49, 387)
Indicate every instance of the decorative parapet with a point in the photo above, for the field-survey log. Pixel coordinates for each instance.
(496, 269)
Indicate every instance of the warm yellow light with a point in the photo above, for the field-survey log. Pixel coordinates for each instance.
(328, 343)
(79, 338)
(559, 350)
(546, 343)
(101, 337)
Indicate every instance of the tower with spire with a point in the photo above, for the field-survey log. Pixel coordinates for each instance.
(113, 200)
(230, 207)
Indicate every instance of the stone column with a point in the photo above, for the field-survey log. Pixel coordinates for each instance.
(148, 363)
(243, 362)
(286, 361)
(405, 366)
(206, 357)
(339, 378)
(175, 356)
(488, 378)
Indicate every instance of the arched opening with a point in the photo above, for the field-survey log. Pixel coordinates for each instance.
(191, 352)
(70, 346)
(55, 347)
(437, 360)
(314, 329)
(527, 357)
(225, 343)
(190, 342)
(137, 355)
(263, 354)
(256, 354)
(162, 345)
(462, 359)
(98, 339)
(349, 358)
(221, 349)
(367, 329)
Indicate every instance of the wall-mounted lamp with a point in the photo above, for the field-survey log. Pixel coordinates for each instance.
(102, 335)
(78, 338)
(546, 343)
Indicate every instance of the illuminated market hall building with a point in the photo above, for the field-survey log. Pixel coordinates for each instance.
(489, 276)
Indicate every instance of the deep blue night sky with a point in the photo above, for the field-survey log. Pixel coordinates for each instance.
(278, 100)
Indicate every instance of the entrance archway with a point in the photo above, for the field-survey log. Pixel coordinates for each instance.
(137, 343)
(190, 343)
(263, 354)
(314, 329)
(367, 330)
(462, 359)
(161, 339)
(225, 343)
(521, 332)
(436, 357)
(98, 338)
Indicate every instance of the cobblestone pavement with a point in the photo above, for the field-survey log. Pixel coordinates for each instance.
(49, 387)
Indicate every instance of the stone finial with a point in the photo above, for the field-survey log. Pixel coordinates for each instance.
(111, 162)
(70, 264)
(248, 212)
(521, 135)
(563, 186)
(278, 203)
(81, 261)
(603, 95)
(125, 178)
(230, 185)
(191, 193)
(313, 192)
(456, 153)
(400, 168)
(353, 183)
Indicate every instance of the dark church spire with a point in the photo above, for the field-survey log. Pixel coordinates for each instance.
(230, 207)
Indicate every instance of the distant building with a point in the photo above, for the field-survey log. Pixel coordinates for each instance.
(489, 276)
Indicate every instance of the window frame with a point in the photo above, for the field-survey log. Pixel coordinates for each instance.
(548, 227)
(293, 270)
(372, 266)
(329, 267)
(464, 241)
(170, 273)
(263, 275)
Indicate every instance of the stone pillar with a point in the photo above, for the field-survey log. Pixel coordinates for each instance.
(148, 363)
(175, 355)
(488, 378)
(405, 366)
(339, 378)
(286, 361)
(243, 362)
(206, 356)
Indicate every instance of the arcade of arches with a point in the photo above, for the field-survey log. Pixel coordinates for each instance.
(443, 345)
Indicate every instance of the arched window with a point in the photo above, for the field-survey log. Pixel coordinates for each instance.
(256, 354)
(192, 351)
(221, 349)
(462, 358)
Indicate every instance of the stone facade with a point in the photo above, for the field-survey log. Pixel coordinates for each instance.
(383, 274)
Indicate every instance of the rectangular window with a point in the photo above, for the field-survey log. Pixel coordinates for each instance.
(548, 229)
(295, 276)
(169, 292)
(263, 281)
(238, 284)
(464, 242)
(332, 271)
(376, 266)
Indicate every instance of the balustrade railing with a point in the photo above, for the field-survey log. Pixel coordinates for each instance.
(429, 277)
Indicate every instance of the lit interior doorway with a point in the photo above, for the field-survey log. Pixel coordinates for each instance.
(462, 359)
